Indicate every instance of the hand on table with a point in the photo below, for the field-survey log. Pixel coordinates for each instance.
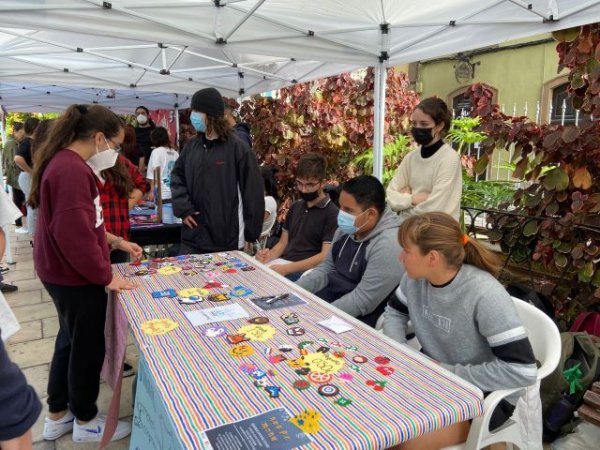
(119, 284)
(264, 255)
(190, 221)
(419, 198)
(281, 269)
(134, 250)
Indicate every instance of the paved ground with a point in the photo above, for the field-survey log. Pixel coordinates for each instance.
(32, 347)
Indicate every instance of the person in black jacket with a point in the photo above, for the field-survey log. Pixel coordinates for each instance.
(241, 128)
(216, 185)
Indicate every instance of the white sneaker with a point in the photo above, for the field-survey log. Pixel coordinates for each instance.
(53, 429)
(93, 430)
(22, 230)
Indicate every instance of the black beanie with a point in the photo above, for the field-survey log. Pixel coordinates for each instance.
(209, 101)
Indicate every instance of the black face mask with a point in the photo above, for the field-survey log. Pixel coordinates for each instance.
(309, 196)
(422, 136)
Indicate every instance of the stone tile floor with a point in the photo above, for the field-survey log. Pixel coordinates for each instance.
(31, 348)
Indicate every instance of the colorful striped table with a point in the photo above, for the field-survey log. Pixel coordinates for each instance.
(189, 382)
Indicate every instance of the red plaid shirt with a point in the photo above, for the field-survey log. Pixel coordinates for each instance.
(116, 209)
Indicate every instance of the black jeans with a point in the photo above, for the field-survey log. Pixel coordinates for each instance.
(74, 379)
(19, 199)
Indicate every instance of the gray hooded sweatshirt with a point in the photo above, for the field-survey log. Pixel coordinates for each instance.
(357, 275)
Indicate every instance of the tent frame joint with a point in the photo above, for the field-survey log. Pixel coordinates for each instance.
(106, 5)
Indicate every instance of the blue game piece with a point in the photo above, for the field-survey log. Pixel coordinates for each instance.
(164, 293)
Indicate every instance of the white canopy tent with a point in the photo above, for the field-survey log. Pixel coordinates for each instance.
(142, 48)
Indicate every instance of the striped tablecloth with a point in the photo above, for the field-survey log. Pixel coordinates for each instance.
(202, 385)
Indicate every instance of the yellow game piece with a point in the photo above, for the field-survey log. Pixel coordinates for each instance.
(323, 362)
(191, 292)
(169, 270)
(308, 421)
(241, 350)
(257, 332)
(157, 327)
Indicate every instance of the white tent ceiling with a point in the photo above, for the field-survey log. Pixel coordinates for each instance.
(158, 52)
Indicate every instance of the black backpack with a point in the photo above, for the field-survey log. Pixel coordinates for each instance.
(540, 301)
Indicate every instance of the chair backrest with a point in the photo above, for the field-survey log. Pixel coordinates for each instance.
(543, 336)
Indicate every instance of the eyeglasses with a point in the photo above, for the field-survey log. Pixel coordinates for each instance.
(117, 148)
(309, 185)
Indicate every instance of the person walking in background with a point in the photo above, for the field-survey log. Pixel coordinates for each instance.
(24, 162)
(8, 214)
(216, 184)
(144, 127)
(241, 128)
(11, 170)
(71, 259)
(164, 157)
(430, 177)
(129, 148)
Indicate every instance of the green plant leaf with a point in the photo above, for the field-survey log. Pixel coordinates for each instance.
(560, 260)
(481, 164)
(531, 228)
(556, 179)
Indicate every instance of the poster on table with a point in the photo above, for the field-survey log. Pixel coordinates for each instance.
(268, 431)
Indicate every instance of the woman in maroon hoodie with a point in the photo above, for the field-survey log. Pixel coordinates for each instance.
(71, 259)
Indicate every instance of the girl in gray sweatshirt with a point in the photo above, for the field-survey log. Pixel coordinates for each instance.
(462, 316)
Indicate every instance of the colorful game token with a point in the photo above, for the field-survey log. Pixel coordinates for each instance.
(136, 263)
(301, 384)
(319, 377)
(248, 268)
(276, 359)
(323, 349)
(328, 390)
(247, 367)
(296, 363)
(273, 391)
(169, 270)
(214, 285)
(215, 331)
(285, 348)
(323, 362)
(356, 368)
(236, 338)
(304, 344)
(218, 297)
(290, 318)
(157, 327)
(190, 300)
(141, 272)
(240, 291)
(339, 354)
(359, 359)
(258, 320)
(189, 273)
(241, 350)
(192, 292)
(342, 401)
(381, 360)
(295, 331)
(164, 293)
(377, 385)
(308, 421)
(303, 371)
(346, 377)
(386, 371)
(257, 332)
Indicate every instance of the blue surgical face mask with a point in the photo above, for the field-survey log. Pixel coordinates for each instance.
(346, 222)
(198, 122)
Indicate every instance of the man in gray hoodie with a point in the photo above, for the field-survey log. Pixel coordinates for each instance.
(361, 269)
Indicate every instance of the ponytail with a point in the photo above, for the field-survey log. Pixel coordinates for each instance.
(77, 122)
(440, 232)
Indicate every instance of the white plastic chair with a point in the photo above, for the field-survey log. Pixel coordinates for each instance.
(545, 341)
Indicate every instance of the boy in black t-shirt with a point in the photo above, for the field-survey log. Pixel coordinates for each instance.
(310, 224)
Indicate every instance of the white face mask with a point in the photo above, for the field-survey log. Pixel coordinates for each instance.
(142, 119)
(103, 160)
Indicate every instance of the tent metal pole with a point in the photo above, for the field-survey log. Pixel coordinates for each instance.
(177, 126)
(379, 119)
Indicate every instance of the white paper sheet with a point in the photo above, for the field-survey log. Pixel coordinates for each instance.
(218, 314)
(8, 322)
(336, 325)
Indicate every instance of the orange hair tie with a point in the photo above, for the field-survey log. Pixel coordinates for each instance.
(465, 239)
